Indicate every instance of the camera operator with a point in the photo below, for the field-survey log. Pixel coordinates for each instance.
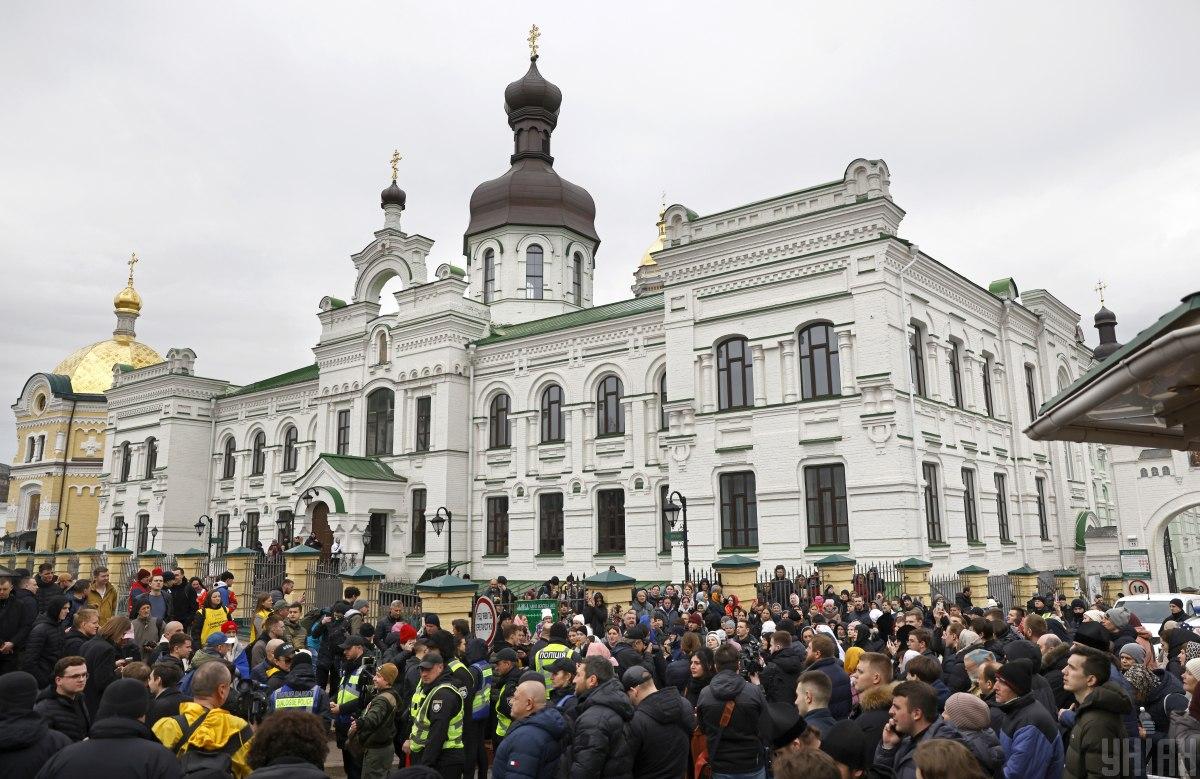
(635, 649)
(349, 703)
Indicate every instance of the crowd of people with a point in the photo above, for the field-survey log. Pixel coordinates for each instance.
(681, 682)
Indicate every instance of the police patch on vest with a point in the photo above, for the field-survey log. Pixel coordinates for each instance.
(436, 706)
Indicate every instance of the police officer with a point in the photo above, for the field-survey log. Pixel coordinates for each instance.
(506, 675)
(436, 740)
(348, 703)
(556, 649)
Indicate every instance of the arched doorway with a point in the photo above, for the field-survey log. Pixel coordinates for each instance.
(320, 528)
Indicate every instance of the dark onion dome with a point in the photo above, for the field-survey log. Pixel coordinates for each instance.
(532, 91)
(392, 196)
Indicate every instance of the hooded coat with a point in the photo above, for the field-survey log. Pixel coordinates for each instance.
(1099, 730)
(533, 747)
(781, 672)
(122, 746)
(737, 748)
(660, 735)
(600, 747)
(27, 742)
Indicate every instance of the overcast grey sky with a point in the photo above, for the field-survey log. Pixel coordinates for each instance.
(240, 150)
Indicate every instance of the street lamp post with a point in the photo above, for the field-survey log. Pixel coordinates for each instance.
(438, 521)
(200, 531)
(673, 510)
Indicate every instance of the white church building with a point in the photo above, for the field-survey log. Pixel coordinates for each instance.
(807, 379)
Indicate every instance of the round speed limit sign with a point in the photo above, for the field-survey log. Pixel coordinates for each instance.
(1138, 587)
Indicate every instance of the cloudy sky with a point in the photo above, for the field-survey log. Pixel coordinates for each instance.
(240, 151)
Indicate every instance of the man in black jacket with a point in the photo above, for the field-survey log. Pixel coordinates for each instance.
(730, 711)
(781, 672)
(62, 702)
(600, 746)
(660, 732)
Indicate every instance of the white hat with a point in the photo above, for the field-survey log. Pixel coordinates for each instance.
(768, 627)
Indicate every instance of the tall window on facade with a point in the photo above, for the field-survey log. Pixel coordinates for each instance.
(489, 275)
(533, 272)
(221, 536)
(970, 507)
(664, 524)
(418, 522)
(228, 459)
(498, 437)
(825, 504)
(956, 374)
(290, 453)
(258, 459)
(735, 375)
(820, 374)
(381, 348)
(610, 521)
(379, 534)
(251, 539)
(987, 385)
(151, 457)
(343, 431)
(933, 509)
(1043, 524)
(739, 511)
(424, 419)
(550, 523)
(552, 419)
(126, 461)
(1030, 390)
(916, 359)
(285, 528)
(143, 533)
(610, 420)
(1002, 506)
(497, 525)
(577, 279)
(662, 402)
(381, 421)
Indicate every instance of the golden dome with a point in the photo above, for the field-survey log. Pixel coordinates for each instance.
(128, 299)
(659, 242)
(90, 368)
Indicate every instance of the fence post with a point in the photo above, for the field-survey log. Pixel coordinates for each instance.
(241, 565)
(914, 578)
(366, 579)
(739, 575)
(837, 570)
(614, 586)
(975, 577)
(296, 562)
(1025, 584)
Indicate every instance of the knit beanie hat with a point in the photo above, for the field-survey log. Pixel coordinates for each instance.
(1134, 650)
(967, 712)
(389, 671)
(1118, 616)
(1141, 680)
(1017, 675)
(18, 691)
(124, 698)
(1192, 666)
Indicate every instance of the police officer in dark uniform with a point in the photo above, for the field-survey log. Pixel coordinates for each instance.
(436, 740)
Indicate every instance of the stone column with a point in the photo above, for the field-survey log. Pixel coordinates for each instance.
(366, 579)
(1025, 584)
(975, 577)
(787, 356)
(296, 564)
(739, 575)
(914, 578)
(240, 563)
(758, 370)
(450, 597)
(837, 570)
(616, 587)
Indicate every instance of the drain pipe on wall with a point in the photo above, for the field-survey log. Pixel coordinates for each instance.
(470, 456)
(906, 313)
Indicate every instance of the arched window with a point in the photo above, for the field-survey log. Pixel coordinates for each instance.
(151, 456)
(127, 461)
(228, 463)
(489, 275)
(916, 359)
(381, 348)
(820, 375)
(609, 418)
(533, 272)
(290, 436)
(577, 279)
(381, 407)
(662, 401)
(258, 459)
(552, 421)
(498, 422)
(735, 380)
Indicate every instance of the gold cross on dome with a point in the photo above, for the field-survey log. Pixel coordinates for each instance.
(534, 34)
(1100, 287)
(133, 260)
(395, 164)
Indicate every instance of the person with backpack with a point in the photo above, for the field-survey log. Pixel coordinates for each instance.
(207, 740)
(375, 728)
(118, 744)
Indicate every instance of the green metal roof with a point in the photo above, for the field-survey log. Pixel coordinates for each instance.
(307, 373)
(371, 468)
(586, 316)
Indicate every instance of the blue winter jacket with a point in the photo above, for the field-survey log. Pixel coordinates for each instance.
(532, 748)
(1033, 746)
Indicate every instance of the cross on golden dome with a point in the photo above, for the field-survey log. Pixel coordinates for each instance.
(534, 34)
